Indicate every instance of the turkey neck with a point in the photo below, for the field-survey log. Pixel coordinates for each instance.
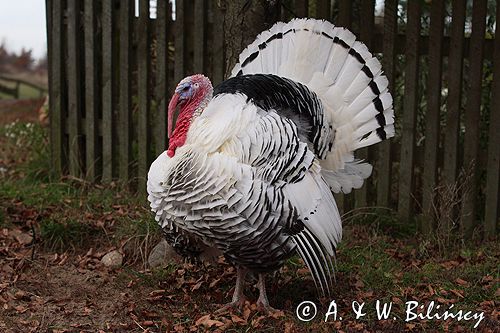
(191, 110)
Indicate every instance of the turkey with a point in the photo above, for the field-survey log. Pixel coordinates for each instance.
(251, 165)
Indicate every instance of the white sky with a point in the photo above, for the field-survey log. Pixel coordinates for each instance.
(22, 24)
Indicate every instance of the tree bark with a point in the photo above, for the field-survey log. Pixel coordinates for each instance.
(243, 21)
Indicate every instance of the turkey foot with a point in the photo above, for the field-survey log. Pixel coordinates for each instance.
(231, 306)
(262, 301)
(238, 297)
(264, 307)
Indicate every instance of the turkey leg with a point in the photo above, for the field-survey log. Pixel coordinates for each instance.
(238, 297)
(262, 301)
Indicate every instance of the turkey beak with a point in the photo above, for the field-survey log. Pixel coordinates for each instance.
(173, 112)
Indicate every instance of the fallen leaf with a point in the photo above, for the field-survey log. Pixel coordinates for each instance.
(457, 293)
(410, 326)
(20, 309)
(206, 321)
(179, 328)
(213, 283)
(246, 311)
(359, 284)
(256, 323)
(238, 320)
(289, 327)
(196, 286)
(277, 314)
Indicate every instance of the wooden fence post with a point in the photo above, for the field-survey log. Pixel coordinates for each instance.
(302, 8)
(366, 24)
(409, 117)
(56, 95)
(433, 112)
(144, 93)
(74, 89)
(91, 85)
(323, 9)
(162, 84)
(218, 54)
(200, 28)
(345, 14)
(471, 139)
(493, 166)
(16, 90)
(454, 101)
(180, 58)
(384, 165)
(108, 148)
(125, 86)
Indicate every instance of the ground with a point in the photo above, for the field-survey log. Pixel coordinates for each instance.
(54, 232)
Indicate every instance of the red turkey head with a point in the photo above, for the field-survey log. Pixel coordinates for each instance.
(189, 99)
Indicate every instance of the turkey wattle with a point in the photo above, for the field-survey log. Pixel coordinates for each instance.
(251, 164)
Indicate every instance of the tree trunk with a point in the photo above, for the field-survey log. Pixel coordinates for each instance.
(243, 21)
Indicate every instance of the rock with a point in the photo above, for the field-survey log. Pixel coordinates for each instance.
(21, 237)
(162, 255)
(112, 259)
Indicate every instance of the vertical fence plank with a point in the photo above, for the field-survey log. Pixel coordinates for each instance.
(367, 22)
(433, 111)
(302, 8)
(218, 55)
(384, 165)
(162, 92)
(200, 24)
(90, 89)
(74, 115)
(143, 63)
(340, 201)
(345, 14)
(107, 91)
(406, 182)
(454, 100)
(344, 20)
(471, 139)
(125, 94)
(48, 29)
(493, 166)
(56, 98)
(180, 58)
(323, 9)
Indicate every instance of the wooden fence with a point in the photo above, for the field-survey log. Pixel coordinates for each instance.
(112, 73)
(15, 87)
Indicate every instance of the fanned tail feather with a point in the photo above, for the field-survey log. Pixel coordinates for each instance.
(317, 260)
(347, 78)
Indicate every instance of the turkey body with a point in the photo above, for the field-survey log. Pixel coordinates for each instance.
(238, 194)
(254, 178)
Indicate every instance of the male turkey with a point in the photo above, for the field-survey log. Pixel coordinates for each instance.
(250, 165)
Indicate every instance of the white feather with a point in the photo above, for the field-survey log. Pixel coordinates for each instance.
(327, 68)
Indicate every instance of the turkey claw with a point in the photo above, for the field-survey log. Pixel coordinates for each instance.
(267, 309)
(229, 307)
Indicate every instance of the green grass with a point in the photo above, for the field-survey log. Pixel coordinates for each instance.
(380, 257)
(72, 211)
(59, 235)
